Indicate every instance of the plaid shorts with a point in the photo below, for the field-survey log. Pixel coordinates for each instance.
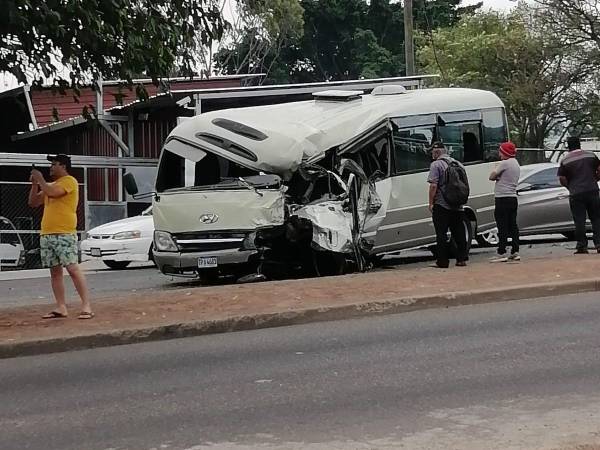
(58, 249)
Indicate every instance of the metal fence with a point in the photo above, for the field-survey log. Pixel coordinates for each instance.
(20, 225)
(539, 155)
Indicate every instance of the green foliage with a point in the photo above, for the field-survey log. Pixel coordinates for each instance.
(524, 62)
(115, 38)
(343, 39)
(261, 30)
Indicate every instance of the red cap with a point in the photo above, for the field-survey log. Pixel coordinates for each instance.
(508, 149)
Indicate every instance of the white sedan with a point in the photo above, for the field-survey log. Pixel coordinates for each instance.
(121, 242)
(12, 251)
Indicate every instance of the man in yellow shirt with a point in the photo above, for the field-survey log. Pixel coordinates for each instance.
(58, 236)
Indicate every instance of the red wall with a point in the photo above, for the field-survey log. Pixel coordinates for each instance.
(45, 100)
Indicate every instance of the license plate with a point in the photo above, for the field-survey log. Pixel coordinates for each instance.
(207, 261)
(96, 252)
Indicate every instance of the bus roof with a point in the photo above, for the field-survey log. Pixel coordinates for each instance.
(280, 137)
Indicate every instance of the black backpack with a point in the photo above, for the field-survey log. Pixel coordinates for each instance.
(455, 189)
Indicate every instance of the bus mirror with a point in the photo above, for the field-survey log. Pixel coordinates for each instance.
(130, 184)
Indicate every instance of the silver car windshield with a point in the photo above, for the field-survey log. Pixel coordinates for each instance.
(183, 166)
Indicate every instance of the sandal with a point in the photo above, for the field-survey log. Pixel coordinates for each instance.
(54, 315)
(84, 315)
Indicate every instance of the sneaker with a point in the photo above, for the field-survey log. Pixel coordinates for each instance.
(499, 259)
(581, 251)
(514, 257)
(461, 263)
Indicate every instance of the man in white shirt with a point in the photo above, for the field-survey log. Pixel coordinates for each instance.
(506, 176)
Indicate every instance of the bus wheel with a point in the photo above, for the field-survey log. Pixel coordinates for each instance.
(452, 251)
(468, 231)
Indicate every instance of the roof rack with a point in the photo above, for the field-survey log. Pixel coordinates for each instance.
(338, 95)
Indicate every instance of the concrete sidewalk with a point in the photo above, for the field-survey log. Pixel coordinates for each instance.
(203, 310)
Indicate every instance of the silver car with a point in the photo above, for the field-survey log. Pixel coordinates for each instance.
(543, 205)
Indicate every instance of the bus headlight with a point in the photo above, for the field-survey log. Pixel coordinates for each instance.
(164, 242)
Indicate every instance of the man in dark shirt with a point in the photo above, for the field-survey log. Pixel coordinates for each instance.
(579, 172)
(443, 215)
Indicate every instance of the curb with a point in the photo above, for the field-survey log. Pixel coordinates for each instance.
(296, 317)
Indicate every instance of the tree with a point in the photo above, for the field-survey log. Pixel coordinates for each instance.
(259, 31)
(116, 38)
(347, 39)
(577, 20)
(517, 56)
(578, 24)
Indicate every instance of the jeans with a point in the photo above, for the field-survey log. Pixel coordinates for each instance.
(586, 202)
(444, 219)
(505, 214)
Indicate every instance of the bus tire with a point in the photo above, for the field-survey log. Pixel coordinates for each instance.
(452, 251)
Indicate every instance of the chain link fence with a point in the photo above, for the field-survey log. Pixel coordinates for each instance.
(20, 226)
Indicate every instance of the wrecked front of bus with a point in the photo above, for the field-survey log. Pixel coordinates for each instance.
(270, 200)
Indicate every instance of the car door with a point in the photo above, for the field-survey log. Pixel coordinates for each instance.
(543, 203)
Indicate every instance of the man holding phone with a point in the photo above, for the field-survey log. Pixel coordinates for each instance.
(58, 236)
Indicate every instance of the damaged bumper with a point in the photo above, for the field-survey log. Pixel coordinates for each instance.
(187, 264)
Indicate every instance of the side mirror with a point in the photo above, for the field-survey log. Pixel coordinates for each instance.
(130, 184)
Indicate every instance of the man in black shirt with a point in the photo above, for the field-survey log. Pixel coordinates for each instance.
(579, 172)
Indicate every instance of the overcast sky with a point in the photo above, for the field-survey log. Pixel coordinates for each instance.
(495, 4)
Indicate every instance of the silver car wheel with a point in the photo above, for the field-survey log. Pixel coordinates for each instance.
(488, 238)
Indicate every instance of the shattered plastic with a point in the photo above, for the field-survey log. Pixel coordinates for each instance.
(332, 226)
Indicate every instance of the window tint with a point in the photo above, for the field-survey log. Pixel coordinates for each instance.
(463, 140)
(373, 157)
(411, 148)
(494, 133)
(544, 179)
(185, 166)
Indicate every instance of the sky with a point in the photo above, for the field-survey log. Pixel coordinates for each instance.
(494, 4)
(7, 81)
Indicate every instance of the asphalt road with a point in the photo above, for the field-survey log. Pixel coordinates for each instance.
(513, 375)
(105, 283)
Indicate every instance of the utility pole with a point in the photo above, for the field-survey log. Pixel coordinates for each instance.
(409, 47)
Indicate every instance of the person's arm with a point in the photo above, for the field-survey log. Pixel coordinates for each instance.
(433, 180)
(562, 176)
(36, 197)
(52, 190)
(495, 175)
(563, 181)
(432, 192)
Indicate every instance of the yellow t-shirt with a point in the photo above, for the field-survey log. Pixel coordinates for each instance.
(60, 213)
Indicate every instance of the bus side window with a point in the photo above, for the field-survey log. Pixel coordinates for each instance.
(374, 157)
(411, 149)
(494, 133)
(463, 140)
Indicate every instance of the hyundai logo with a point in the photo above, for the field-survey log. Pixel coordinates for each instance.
(209, 218)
